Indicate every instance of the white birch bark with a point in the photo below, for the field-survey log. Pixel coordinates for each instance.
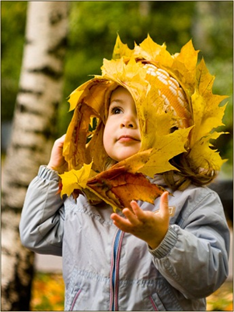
(40, 91)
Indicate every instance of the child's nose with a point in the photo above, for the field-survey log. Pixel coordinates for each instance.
(128, 122)
(127, 125)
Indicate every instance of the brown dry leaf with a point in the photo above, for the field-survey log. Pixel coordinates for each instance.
(118, 187)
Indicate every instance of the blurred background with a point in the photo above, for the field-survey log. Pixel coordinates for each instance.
(92, 30)
(93, 27)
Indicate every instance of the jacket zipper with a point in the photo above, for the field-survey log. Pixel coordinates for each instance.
(74, 300)
(153, 304)
(114, 274)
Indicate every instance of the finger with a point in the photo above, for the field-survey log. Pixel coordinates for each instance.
(129, 214)
(120, 222)
(63, 137)
(61, 140)
(164, 204)
(137, 210)
(117, 218)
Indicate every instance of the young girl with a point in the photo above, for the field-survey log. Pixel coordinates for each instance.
(140, 257)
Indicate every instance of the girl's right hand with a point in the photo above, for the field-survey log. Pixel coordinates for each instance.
(57, 161)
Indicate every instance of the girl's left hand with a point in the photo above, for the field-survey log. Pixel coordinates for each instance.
(146, 225)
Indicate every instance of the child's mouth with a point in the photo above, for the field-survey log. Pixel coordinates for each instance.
(127, 138)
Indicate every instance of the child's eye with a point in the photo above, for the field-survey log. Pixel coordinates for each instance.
(115, 110)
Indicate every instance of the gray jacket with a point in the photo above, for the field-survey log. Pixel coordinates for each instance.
(106, 269)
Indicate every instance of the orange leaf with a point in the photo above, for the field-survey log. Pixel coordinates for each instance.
(118, 187)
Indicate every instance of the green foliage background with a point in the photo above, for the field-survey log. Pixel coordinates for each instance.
(93, 28)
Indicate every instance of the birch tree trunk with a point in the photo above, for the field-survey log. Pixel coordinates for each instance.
(40, 91)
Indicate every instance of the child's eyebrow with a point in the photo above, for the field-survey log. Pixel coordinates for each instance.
(116, 100)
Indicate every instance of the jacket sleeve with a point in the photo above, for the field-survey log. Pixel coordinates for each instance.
(42, 218)
(193, 257)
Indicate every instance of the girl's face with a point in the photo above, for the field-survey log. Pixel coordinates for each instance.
(121, 137)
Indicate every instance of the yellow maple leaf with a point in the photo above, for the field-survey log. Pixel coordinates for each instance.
(74, 99)
(135, 162)
(130, 75)
(76, 96)
(90, 105)
(152, 118)
(203, 156)
(121, 50)
(207, 114)
(151, 51)
(75, 179)
(184, 67)
(165, 148)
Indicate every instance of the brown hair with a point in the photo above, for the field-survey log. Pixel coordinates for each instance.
(187, 174)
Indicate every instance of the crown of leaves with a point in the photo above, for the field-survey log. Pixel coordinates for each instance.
(158, 143)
